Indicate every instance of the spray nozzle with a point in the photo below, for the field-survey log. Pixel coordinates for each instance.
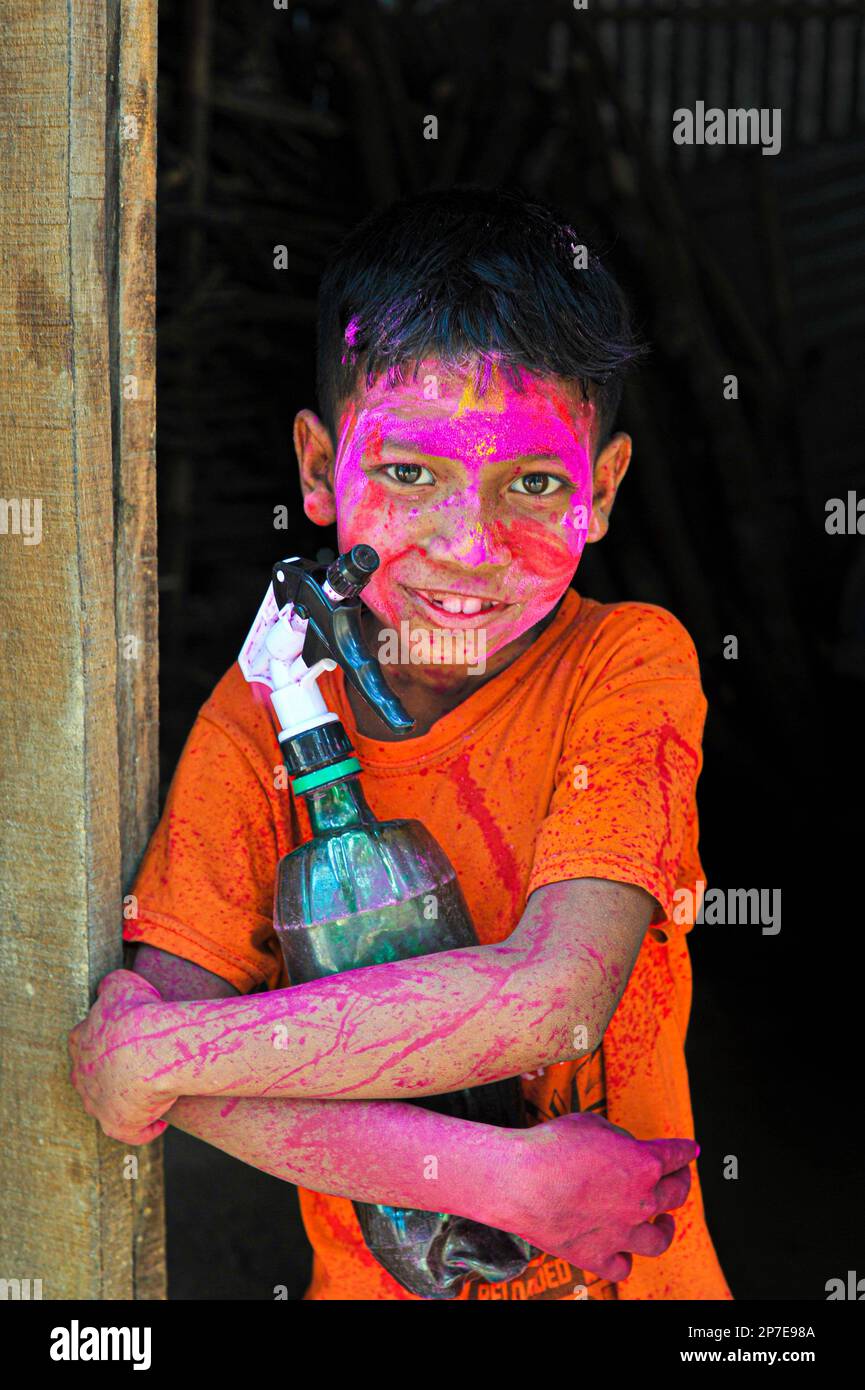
(350, 572)
(326, 598)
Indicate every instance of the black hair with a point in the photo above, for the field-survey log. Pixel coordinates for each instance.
(471, 273)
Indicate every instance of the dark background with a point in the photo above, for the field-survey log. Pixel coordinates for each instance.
(285, 127)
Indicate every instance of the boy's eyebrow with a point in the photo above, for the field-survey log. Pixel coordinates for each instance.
(394, 445)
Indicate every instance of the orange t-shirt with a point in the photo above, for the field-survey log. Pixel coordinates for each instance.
(578, 761)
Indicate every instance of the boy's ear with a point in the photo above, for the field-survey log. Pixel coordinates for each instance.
(611, 465)
(315, 457)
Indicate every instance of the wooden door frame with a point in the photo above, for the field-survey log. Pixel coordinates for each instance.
(82, 1215)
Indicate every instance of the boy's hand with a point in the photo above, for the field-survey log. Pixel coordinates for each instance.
(108, 1061)
(592, 1192)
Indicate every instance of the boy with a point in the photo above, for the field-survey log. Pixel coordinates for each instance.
(468, 376)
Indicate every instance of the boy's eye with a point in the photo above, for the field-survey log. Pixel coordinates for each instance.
(536, 484)
(408, 473)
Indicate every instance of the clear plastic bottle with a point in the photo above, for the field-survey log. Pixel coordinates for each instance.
(362, 892)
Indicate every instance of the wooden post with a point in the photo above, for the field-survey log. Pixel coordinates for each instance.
(78, 692)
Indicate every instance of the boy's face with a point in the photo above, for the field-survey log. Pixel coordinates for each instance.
(479, 507)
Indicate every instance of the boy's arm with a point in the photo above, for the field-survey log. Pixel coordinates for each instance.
(412, 1027)
(577, 1187)
(373, 1152)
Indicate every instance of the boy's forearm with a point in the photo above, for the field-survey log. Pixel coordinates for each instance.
(419, 1027)
(372, 1151)
(411, 1028)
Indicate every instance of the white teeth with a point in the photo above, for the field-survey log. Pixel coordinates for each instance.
(457, 603)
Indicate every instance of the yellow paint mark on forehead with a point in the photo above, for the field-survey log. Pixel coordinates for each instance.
(493, 399)
(484, 446)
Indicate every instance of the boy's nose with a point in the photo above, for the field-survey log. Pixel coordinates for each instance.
(470, 541)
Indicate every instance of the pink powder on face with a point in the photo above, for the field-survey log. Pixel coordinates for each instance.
(467, 532)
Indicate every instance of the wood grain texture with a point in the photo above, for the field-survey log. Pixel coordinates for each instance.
(133, 394)
(78, 733)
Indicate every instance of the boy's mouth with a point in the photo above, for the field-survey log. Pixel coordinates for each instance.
(449, 603)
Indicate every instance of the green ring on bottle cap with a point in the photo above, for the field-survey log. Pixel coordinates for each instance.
(325, 774)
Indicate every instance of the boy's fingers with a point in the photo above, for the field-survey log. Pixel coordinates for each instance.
(615, 1267)
(653, 1237)
(125, 1134)
(673, 1153)
(672, 1191)
(115, 978)
(90, 1109)
(143, 1136)
(132, 990)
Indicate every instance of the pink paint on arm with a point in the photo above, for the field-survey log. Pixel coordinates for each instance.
(576, 1187)
(414, 1027)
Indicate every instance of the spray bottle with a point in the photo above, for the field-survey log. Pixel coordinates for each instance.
(360, 892)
